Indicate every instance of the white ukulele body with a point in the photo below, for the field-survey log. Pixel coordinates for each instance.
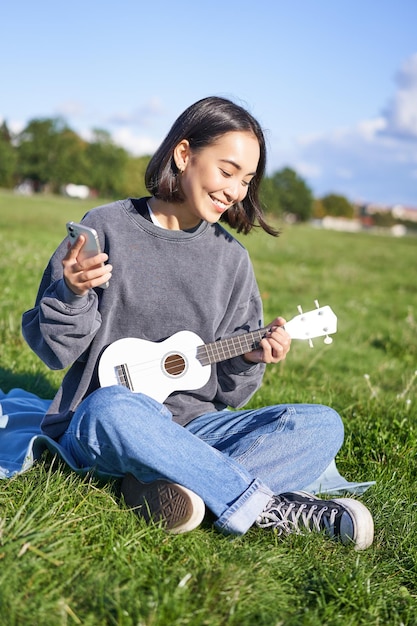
(183, 362)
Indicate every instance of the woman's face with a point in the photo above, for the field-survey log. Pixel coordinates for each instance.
(217, 176)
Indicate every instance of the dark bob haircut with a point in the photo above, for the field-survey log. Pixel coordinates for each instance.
(201, 124)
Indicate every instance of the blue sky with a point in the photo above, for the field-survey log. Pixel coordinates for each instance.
(334, 84)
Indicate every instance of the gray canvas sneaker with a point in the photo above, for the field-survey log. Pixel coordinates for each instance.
(343, 519)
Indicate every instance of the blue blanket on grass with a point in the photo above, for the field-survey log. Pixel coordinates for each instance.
(22, 443)
(21, 439)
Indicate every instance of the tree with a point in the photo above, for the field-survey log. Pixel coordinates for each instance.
(49, 152)
(71, 165)
(8, 157)
(106, 164)
(337, 206)
(318, 209)
(133, 180)
(37, 150)
(269, 197)
(286, 192)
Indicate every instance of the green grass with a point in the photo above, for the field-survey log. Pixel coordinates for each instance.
(70, 553)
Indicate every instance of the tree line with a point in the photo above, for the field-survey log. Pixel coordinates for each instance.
(49, 154)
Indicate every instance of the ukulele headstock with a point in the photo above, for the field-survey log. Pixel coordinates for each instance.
(320, 322)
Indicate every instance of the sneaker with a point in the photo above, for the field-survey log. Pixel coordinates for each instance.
(343, 519)
(178, 508)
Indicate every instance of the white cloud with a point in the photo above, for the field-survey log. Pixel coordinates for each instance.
(70, 108)
(344, 173)
(373, 160)
(401, 113)
(336, 135)
(141, 116)
(136, 144)
(309, 170)
(369, 128)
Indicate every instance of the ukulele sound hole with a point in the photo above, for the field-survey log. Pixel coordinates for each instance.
(174, 364)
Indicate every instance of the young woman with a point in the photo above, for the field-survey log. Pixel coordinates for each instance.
(174, 268)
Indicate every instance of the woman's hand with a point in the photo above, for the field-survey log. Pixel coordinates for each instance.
(82, 275)
(272, 348)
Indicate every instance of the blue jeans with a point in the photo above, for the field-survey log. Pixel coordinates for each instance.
(234, 460)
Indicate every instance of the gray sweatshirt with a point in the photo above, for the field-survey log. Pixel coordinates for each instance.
(163, 281)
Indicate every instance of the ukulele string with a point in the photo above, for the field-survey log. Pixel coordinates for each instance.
(200, 353)
(175, 359)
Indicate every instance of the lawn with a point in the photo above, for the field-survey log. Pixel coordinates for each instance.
(71, 553)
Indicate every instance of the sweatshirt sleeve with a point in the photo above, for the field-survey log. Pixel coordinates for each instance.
(61, 325)
(237, 379)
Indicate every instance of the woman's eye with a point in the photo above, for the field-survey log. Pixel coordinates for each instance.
(226, 174)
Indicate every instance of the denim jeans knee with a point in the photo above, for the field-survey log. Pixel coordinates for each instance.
(279, 444)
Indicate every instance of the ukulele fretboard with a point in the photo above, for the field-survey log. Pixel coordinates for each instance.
(232, 346)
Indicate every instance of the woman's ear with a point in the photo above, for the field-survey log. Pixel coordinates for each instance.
(181, 154)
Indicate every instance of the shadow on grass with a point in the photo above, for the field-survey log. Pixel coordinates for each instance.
(34, 383)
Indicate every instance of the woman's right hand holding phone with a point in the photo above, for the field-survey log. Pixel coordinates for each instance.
(83, 274)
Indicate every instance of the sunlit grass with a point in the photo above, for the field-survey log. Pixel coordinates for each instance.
(70, 553)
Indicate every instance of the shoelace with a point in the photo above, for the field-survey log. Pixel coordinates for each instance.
(287, 518)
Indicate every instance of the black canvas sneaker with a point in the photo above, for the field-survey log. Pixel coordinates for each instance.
(177, 508)
(343, 519)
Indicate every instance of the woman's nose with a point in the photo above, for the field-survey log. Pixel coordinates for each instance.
(233, 192)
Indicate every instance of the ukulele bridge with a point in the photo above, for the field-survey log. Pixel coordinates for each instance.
(123, 376)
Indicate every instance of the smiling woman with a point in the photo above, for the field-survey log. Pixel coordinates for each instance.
(175, 269)
(212, 180)
(204, 125)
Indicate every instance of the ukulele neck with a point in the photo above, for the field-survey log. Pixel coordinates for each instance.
(232, 346)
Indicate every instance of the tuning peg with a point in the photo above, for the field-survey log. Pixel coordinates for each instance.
(316, 302)
(310, 343)
(299, 309)
(328, 340)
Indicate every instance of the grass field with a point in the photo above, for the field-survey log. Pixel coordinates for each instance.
(70, 553)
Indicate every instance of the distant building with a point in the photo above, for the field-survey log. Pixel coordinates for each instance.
(398, 211)
(76, 191)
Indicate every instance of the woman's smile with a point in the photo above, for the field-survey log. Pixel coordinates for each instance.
(221, 206)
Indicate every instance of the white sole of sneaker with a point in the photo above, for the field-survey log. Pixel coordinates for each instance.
(362, 521)
(176, 507)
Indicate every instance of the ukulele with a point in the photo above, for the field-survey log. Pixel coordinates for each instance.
(183, 362)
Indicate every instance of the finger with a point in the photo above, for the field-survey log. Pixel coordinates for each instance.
(86, 275)
(94, 261)
(277, 322)
(281, 344)
(76, 247)
(274, 350)
(279, 337)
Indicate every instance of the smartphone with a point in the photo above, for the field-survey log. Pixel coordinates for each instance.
(91, 246)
